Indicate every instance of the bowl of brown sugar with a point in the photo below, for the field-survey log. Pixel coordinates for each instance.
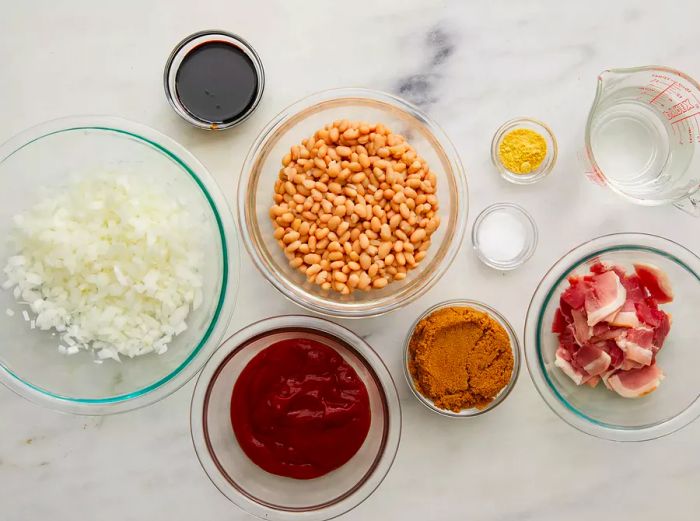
(462, 358)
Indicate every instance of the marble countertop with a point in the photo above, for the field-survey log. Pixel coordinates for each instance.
(471, 66)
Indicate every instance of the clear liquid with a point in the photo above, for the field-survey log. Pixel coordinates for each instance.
(634, 147)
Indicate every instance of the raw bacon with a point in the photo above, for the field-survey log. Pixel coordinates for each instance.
(634, 383)
(610, 328)
(655, 281)
(604, 295)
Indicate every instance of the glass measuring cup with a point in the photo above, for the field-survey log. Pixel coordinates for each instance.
(643, 136)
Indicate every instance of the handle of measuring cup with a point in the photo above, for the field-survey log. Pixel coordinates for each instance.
(690, 204)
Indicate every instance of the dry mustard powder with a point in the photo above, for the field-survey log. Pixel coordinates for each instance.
(522, 150)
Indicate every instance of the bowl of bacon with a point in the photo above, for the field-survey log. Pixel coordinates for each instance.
(611, 337)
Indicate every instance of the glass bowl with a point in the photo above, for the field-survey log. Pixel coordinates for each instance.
(49, 156)
(270, 496)
(302, 119)
(547, 164)
(598, 411)
(529, 238)
(514, 344)
(181, 51)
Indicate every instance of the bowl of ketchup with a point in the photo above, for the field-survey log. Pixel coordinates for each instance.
(295, 416)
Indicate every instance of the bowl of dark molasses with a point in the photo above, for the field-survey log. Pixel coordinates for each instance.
(214, 79)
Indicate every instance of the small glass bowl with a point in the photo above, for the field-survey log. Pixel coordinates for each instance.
(549, 160)
(273, 497)
(261, 170)
(530, 236)
(599, 412)
(175, 59)
(514, 344)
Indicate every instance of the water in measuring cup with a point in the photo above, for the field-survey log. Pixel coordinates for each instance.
(633, 145)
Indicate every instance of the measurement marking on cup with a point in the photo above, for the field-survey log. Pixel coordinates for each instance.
(678, 109)
(660, 93)
(686, 117)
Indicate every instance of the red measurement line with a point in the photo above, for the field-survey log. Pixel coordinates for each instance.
(660, 93)
(690, 116)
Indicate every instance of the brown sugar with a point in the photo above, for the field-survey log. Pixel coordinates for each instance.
(460, 358)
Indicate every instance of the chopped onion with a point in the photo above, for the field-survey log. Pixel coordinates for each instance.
(112, 263)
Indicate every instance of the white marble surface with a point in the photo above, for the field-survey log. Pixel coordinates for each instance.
(471, 65)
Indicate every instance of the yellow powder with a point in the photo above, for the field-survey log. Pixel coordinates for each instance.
(522, 150)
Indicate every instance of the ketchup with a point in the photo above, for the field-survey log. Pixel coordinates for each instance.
(299, 410)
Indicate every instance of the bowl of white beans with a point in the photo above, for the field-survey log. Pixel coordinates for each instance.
(352, 203)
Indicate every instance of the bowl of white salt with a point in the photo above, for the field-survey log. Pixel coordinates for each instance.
(118, 264)
(504, 236)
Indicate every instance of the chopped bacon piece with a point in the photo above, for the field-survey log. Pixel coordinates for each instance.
(582, 331)
(605, 294)
(594, 360)
(636, 345)
(655, 281)
(617, 355)
(559, 324)
(641, 336)
(625, 318)
(575, 295)
(636, 382)
(621, 272)
(603, 331)
(631, 364)
(565, 309)
(560, 360)
(635, 290)
(598, 268)
(662, 330)
(566, 339)
(649, 313)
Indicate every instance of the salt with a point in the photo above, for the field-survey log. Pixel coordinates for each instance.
(501, 236)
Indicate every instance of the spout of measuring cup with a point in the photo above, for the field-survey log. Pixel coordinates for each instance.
(604, 79)
(611, 80)
(690, 204)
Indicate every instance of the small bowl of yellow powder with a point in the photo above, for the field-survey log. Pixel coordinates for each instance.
(524, 150)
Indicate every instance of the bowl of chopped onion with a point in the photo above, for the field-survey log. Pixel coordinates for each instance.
(119, 265)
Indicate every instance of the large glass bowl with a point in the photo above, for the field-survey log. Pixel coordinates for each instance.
(47, 157)
(301, 120)
(598, 411)
(269, 496)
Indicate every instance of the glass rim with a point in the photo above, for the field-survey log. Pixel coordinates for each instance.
(247, 217)
(502, 394)
(533, 342)
(224, 308)
(367, 356)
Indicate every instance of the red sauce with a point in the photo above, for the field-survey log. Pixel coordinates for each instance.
(299, 410)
